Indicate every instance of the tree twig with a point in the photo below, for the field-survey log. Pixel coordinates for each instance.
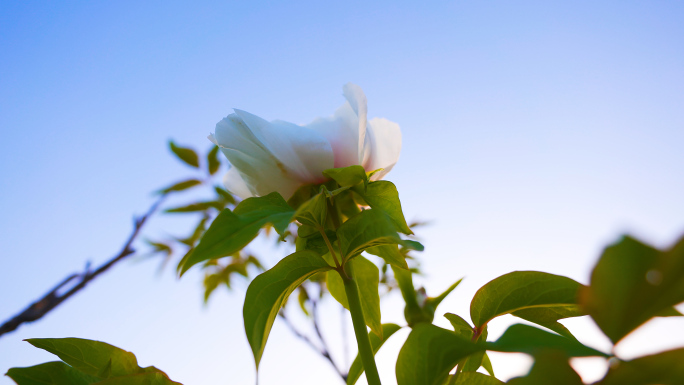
(320, 350)
(52, 299)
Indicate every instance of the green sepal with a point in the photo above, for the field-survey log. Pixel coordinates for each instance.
(348, 176)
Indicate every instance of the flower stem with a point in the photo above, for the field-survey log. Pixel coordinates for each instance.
(362, 339)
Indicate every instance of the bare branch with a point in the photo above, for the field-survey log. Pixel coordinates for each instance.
(52, 299)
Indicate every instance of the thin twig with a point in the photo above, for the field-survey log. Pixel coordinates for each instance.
(322, 351)
(52, 299)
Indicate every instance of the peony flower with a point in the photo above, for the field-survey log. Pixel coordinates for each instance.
(281, 156)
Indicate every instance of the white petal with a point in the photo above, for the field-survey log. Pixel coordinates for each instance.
(385, 140)
(346, 129)
(302, 151)
(235, 184)
(260, 170)
(358, 102)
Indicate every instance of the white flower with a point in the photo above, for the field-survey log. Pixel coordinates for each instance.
(281, 156)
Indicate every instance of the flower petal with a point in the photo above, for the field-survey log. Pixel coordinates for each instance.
(302, 151)
(358, 102)
(346, 129)
(235, 184)
(259, 169)
(385, 140)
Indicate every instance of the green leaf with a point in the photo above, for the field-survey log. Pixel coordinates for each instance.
(150, 378)
(429, 353)
(461, 326)
(347, 176)
(367, 278)
(521, 338)
(487, 364)
(356, 368)
(548, 317)
(367, 229)
(231, 231)
(187, 155)
(195, 207)
(551, 367)
(313, 212)
(94, 358)
(391, 255)
(632, 283)
(383, 195)
(520, 290)
(434, 302)
(224, 195)
(213, 162)
(50, 373)
(475, 378)
(269, 291)
(180, 186)
(663, 368)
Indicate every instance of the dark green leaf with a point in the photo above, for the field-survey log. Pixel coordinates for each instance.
(521, 338)
(474, 378)
(391, 255)
(367, 278)
(94, 358)
(270, 290)
(213, 162)
(347, 176)
(632, 283)
(187, 155)
(663, 368)
(50, 373)
(383, 195)
(429, 353)
(521, 290)
(195, 207)
(356, 368)
(302, 195)
(149, 378)
(548, 317)
(231, 231)
(366, 229)
(180, 186)
(551, 367)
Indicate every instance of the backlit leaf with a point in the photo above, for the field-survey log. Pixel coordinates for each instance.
(347, 176)
(551, 367)
(50, 373)
(213, 162)
(632, 283)
(665, 368)
(233, 230)
(475, 378)
(180, 186)
(367, 277)
(521, 338)
(187, 155)
(429, 353)
(383, 195)
(366, 229)
(520, 290)
(270, 290)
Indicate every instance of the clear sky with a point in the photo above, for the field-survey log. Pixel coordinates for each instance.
(535, 133)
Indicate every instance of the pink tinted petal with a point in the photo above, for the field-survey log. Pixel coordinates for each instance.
(385, 139)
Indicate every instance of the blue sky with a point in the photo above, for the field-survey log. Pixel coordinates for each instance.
(535, 133)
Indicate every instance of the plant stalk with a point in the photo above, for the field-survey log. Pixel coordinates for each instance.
(362, 340)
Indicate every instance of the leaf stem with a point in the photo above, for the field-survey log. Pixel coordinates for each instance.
(362, 339)
(330, 247)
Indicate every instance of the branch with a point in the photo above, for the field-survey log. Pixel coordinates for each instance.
(52, 299)
(322, 351)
